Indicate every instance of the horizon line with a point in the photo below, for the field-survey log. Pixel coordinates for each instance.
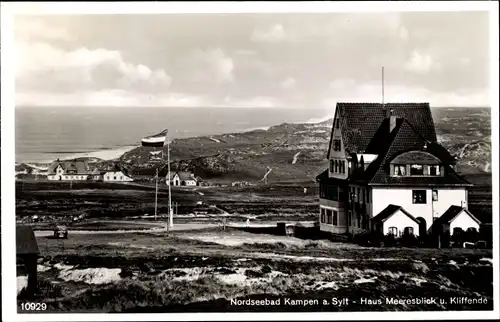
(231, 107)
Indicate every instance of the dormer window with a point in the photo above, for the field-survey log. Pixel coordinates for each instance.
(416, 170)
(400, 170)
(434, 170)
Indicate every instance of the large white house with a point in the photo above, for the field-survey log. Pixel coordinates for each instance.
(68, 170)
(388, 173)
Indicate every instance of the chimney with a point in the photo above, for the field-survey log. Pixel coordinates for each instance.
(392, 121)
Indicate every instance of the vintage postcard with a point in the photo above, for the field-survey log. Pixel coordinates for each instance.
(249, 161)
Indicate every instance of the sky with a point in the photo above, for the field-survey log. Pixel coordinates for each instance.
(309, 60)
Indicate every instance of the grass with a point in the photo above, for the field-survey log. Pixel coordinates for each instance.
(143, 257)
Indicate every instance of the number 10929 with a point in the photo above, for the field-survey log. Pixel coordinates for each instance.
(33, 306)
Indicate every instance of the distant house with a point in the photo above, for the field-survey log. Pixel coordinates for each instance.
(27, 254)
(21, 170)
(182, 178)
(387, 172)
(96, 175)
(116, 176)
(68, 170)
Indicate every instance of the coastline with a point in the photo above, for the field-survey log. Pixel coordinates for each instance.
(115, 153)
(105, 155)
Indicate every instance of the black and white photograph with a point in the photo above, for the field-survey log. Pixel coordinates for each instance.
(306, 161)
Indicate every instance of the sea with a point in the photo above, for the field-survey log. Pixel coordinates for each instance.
(44, 134)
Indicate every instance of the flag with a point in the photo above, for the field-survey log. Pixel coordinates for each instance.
(156, 155)
(156, 140)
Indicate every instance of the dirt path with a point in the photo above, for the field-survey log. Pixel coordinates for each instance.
(177, 227)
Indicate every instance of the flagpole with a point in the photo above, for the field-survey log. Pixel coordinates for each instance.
(156, 193)
(170, 220)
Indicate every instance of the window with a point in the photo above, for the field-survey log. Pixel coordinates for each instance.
(336, 166)
(434, 170)
(434, 195)
(329, 217)
(416, 170)
(419, 196)
(393, 231)
(358, 196)
(457, 231)
(336, 145)
(114, 178)
(337, 123)
(331, 165)
(343, 166)
(399, 170)
(323, 220)
(332, 193)
(408, 231)
(335, 219)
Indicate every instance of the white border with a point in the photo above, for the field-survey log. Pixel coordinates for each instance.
(9, 310)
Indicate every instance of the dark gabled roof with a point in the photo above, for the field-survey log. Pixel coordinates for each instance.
(76, 165)
(25, 241)
(452, 212)
(389, 211)
(360, 121)
(183, 175)
(404, 138)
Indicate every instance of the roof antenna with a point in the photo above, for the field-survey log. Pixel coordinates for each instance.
(383, 105)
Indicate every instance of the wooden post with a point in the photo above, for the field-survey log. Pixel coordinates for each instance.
(156, 194)
(31, 267)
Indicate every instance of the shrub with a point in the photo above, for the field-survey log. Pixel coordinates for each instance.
(409, 240)
(368, 239)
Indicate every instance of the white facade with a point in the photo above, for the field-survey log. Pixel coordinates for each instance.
(190, 182)
(176, 180)
(116, 176)
(399, 220)
(446, 197)
(68, 177)
(463, 220)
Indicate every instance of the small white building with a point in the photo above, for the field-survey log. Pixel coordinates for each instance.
(458, 219)
(182, 178)
(116, 176)
(396, 221)
(68, 170)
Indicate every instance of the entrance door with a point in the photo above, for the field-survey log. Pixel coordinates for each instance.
(422, 227)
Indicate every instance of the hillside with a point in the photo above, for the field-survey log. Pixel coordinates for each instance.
(292, 151)
(296, 152)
